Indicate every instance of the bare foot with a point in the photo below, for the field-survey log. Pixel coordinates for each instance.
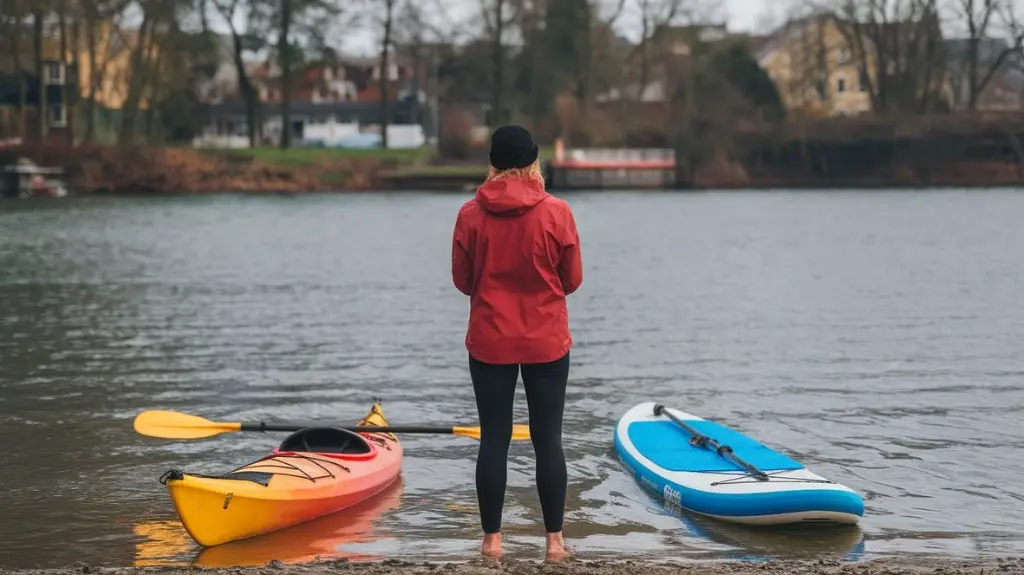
(491, 545)
(556, 550)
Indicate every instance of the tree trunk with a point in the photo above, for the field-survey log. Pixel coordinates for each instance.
(16, 37)
(204, 19)
(499, 68)
(146, 81)
(417, 66)
(583, 45)
(92, 20)
(65, 98)
(37, 20)
(136, 83)
(384, 81)
(284, 54)
(536, 61)
(157, 93)
(75, 94)
(248, 92)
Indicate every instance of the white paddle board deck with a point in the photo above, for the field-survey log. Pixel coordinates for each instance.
(686, 476)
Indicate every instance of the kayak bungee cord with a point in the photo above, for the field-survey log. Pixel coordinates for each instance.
(701, 440)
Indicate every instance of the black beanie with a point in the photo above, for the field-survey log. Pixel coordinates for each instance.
(512, 147)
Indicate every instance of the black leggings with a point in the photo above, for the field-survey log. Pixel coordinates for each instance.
(495, 387)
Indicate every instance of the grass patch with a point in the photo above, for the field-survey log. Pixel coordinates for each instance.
(335, 178)
(309, 156)
(440, 170)
(411, 161)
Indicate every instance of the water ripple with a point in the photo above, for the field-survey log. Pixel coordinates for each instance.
(874, 336)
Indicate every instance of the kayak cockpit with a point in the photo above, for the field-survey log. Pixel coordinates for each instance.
(334, 440)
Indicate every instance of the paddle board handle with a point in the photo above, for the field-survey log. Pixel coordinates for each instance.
(704, 441)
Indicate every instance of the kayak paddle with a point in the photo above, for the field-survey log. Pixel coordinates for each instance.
(174, 425)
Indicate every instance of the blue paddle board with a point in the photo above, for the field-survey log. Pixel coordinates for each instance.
(758, 486)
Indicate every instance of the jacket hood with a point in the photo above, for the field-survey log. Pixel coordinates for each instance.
(510, 196)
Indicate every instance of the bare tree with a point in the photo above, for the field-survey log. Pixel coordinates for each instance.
(63, 9)
(810, 60)
(498, 16)
(899, 51)
(157, 15)
(286, 57)
(497, 110)
(228, 10)
(412, 34)
(297, 27)
(14, 12)
(203, 7)
(385, 71)
(38, 14)
(655, 15)
(101, 20)
(985, 56)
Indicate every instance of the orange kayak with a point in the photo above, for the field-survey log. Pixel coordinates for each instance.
(314, 472)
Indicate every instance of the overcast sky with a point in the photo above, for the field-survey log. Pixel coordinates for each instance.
(740, 15)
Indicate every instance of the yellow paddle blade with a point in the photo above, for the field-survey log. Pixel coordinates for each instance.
(174, 425)
(519, 432)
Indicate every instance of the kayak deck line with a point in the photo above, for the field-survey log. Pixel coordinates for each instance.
(253, 476)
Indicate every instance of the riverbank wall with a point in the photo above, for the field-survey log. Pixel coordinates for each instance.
(956, 151)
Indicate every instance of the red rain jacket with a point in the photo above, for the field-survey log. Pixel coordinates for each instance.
(516, 254)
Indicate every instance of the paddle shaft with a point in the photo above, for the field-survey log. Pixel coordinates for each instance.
(705, 441)
(266, 427)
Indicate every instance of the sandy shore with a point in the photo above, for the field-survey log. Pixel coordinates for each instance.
(907, 566)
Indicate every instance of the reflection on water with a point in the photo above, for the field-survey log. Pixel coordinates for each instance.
(166, 542)
(754, 543)
(874, 336)
(162, 542)
(337, 536)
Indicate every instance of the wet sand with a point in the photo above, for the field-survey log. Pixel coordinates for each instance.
(885, 566)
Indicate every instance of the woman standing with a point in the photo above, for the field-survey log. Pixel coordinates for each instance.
(516, 254)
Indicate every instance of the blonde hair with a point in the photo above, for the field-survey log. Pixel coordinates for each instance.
(532, 171)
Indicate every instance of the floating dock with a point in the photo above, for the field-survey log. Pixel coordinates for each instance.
(611, 168)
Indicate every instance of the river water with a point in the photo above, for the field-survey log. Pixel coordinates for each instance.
(876, 336)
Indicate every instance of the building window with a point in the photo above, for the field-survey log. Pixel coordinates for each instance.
(58, 116)
(841, 85)
(55, 73)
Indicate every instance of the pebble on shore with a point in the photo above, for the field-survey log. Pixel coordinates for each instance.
(882, 566)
